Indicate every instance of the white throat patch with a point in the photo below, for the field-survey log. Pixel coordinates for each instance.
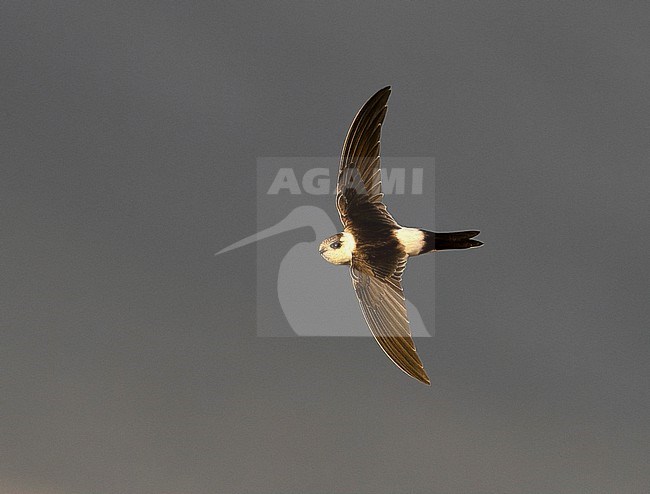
(347, 239)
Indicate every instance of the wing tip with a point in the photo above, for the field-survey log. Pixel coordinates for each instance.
(380, 96)
(420, 376)
(385, 91)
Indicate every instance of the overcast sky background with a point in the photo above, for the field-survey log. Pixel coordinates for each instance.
(129, 357)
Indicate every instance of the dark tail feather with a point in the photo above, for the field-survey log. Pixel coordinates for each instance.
(446, 241)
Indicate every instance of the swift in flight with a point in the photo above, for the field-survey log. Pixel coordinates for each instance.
(374, 245)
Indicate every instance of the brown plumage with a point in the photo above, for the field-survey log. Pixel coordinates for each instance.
(374, 245)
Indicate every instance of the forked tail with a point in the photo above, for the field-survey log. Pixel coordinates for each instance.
(453, 240)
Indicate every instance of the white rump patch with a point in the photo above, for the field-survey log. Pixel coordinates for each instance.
(412, 239)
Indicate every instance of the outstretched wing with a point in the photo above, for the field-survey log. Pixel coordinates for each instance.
(383, 306)
(359, 178)
(377, 266)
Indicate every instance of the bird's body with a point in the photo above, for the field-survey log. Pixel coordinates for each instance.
(374, 245)
(409, 241)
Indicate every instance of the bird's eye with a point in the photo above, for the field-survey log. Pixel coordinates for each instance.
(335, 245)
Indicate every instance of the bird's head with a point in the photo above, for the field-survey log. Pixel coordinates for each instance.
(337, 249)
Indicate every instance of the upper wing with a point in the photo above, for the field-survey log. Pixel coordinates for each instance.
(383, 307)
(360, 169)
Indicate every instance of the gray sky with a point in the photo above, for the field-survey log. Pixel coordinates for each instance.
(129, 355)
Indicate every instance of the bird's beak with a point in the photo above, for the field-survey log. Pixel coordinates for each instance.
(321, 250)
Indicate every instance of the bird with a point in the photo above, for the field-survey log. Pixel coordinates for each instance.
(374, 246)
